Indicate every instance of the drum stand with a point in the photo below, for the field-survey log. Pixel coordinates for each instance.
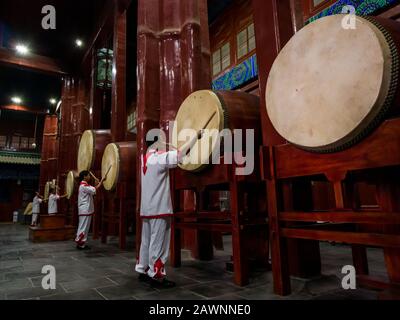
(247, 226)
(115, 220)
(378, 157)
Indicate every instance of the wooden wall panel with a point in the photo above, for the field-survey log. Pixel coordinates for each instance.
(226, 27)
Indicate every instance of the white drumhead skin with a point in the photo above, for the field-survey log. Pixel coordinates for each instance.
(86, 152)
(47, 190)
(194, 113)
(110, 158)
(70, 184)
(328, 83)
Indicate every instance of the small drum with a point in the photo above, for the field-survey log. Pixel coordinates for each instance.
(331, 86)
(47, 190)
(119, 164)
(49, 185)
(213, 111)
(70, 183)
(91, 147)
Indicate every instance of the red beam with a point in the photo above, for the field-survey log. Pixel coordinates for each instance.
(368, 239)
(342, 217)
(22, 109)
(215, 227)
(32, 62)
(392, 13)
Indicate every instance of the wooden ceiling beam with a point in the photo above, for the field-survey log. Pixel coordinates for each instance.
(392, 13)
(31, 62)
(23, 109)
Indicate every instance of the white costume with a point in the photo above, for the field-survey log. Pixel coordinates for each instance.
(156, 211)
(53, 209)
(85, 211)
(36, 209)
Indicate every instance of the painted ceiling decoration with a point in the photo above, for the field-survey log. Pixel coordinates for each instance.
(19, 158)
(363, 7)
(238, 75)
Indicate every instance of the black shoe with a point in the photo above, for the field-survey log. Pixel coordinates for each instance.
(144, 277)
(83, 248)
(162, 284)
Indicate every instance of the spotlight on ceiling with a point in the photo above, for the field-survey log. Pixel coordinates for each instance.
(53, 101)
(16, 100)
(22, 49)
(79, 43)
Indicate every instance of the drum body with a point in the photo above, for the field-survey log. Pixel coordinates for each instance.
(330, 86)
(70, 183)
(214, 112)
(119, 163)
(91, 148)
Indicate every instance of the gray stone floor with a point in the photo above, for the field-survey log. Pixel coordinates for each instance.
(105, 272)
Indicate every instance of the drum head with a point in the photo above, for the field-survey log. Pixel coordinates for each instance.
(86, 152)
(47, 190)
(111, 159)
(70, 184)
(329, 84)
(196, 111)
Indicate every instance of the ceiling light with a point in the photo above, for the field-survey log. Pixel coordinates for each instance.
(16, 100)
(79, 43)
(53, 101)
(22, 49)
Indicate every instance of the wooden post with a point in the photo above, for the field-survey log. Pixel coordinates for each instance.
(240, 263)
(273, 26)
(388, 192)
(118, 108)
(122, 217)
(176, 235)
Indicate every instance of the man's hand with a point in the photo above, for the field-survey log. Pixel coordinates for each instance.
(200, 134)
(100, 183)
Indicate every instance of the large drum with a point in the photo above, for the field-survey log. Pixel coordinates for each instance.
(70, 183)
(91, 147)
(214, 111)
(331, 86)
(119, 164)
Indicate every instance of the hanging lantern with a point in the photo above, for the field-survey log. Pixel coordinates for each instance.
(104, 68)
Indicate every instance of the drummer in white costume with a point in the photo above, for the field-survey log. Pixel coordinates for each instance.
(37, 200)
(156, 211)
(85, 208)
(52, 201)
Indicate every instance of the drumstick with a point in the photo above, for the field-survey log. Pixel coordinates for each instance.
(198, 132)
(108, 171)
(94, 177)
(208, 122)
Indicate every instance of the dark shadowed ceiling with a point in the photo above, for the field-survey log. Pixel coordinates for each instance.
(74, 19)
(21, 22)
(33, 88)
(215, 7)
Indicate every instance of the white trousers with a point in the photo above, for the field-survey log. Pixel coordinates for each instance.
(154, 249)
(83, 230)
(34, 218)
